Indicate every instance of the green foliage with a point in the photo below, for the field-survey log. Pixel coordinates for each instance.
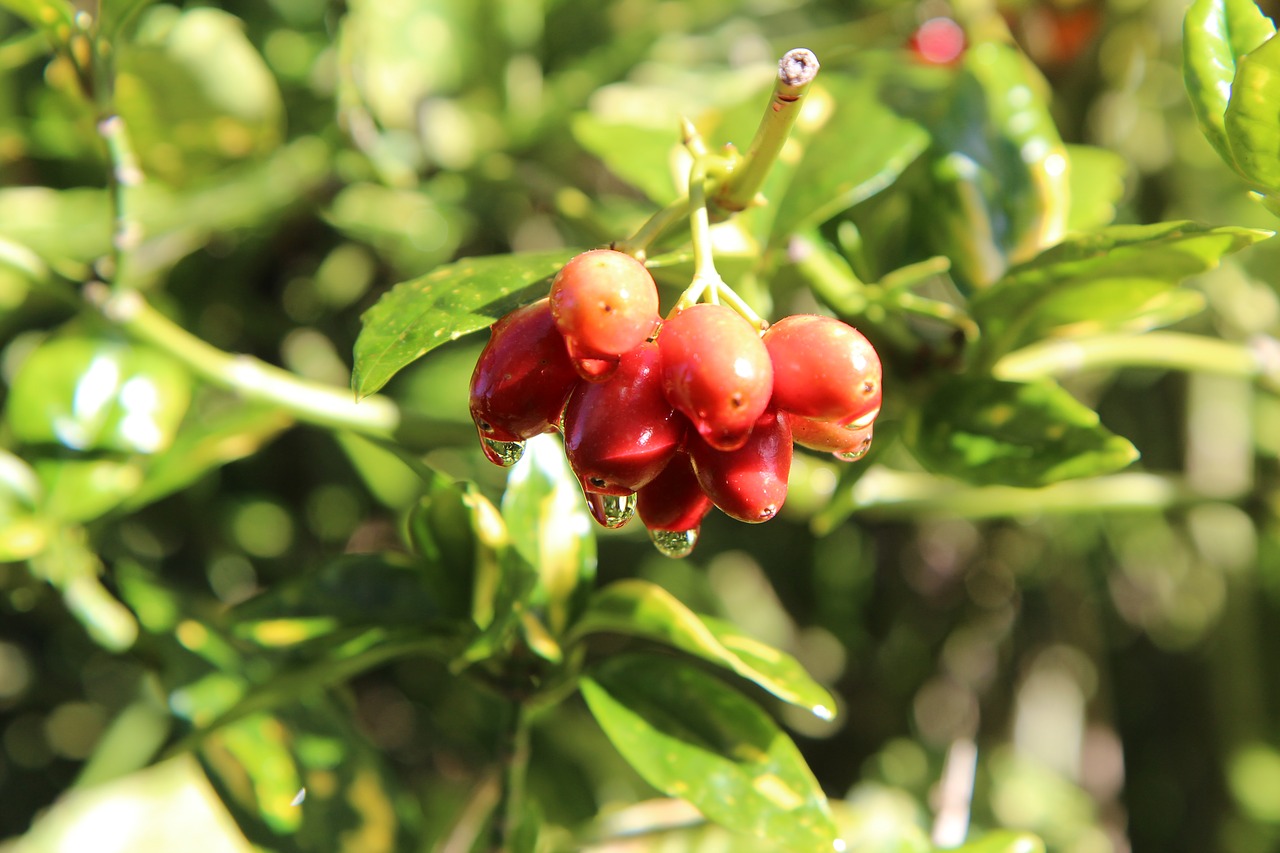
(255, 569)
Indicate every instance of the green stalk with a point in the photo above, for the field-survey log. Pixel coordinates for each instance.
(796, 72)
(123, 176)
(313, 402)
(1167, 350)
(515, 772)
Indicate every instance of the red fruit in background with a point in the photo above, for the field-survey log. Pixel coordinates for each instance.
(938, 41)
(620, 433)
(716, 371)
(749, 484)
(823, 369)
(845, 442)
(673, 500)
(605, 302)
(523, 377)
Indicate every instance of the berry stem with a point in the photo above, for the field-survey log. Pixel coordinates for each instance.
(637, 245)
(796, 72)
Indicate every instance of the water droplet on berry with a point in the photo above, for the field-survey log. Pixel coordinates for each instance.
(674, 543)
(611, 511)
(504, 453)
(855, 454)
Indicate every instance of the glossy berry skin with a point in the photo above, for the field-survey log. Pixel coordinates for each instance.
(605, 302)
(523, 376)
(673, 500)
(823, 369)
(619, 434)
(716, 371)
(846, 442)
(749, 484)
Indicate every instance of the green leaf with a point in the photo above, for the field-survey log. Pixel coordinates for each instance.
(834, 174)
(550, 527)
(692, 737)
(985, 431)
(409, 227)
(1253, 119)
(418, 315)
(1115, 278)
(1004, 841)
(638, 608)
(999, 168)
(206, 445)
(442, 527)
(354, 591)
(1217, 34)
(1096, 178)
(195, 94)
(80, 489)
(641, 156)
(74, 570)
(98, 394)
(23, 531)
(304, 779)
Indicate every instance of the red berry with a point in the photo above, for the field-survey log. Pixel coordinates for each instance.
(823, 369)
(938, 41)
(605, 302)
(749, 484)
(845, 442)
(673, 500)
(523, 377)
(620, 433)
(716, 371)
(589, 367)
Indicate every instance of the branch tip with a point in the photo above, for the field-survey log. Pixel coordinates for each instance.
(798, 67)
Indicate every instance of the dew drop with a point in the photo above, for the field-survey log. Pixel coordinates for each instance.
(504, 453)
(674, 543)
(611, 510)
(855, 454)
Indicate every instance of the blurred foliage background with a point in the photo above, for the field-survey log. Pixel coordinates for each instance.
(1116, 669)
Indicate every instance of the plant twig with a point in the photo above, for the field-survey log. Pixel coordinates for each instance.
(313, 402)
(796, 71)
(123, 177)
(515, 771)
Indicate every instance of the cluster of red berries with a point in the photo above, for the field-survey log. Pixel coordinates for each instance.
(668, 418)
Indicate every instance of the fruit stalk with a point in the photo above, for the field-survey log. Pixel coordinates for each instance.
(796, 71)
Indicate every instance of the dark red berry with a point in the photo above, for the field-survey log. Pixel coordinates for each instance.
(716, 371)
(523, 377)
(605, 302)
(673, 500)
(620, 433)
(823, 369)
(749, 484)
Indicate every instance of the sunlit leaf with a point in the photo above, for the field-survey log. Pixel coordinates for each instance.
(1097, 178)
(835, 174)
(638, 608)
(641, 156)
(195, 94)
(79, 489)
(1252, 120)
(418, 315)
(75, 571)
(551, 528)
(1114, 278)
(990, 432)
(1216, 35)
(303, 779)
(98, 394)
(24, 531)
(692, 737)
